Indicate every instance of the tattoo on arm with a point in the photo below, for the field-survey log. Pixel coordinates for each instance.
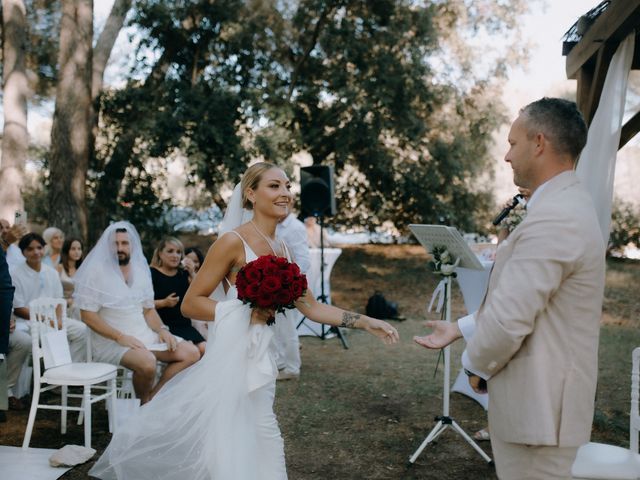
(349, 319)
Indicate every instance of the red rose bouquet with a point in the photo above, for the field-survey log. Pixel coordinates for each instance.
(270, 282)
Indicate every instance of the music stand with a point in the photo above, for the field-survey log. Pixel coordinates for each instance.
(431, 236)
(326, 332)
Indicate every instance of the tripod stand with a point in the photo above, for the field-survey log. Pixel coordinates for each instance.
(445, 421)
(326, 332)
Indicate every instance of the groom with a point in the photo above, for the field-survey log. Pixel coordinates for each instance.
(535, 336)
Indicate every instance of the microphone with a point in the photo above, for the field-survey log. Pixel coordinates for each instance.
(506, 210)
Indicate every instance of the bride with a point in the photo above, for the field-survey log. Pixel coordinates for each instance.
(215, 420)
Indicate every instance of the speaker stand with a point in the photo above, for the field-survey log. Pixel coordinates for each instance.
(326, 332)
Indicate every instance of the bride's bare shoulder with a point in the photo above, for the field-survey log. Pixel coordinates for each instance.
(227, 243)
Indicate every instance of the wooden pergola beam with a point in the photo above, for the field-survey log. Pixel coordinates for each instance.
(612, 26)
(592, 80)
(629, 130)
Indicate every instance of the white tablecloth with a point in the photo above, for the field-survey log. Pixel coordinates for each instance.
(473, 284)
(309, 327)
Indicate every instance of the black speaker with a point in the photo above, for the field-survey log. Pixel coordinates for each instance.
(317, 194)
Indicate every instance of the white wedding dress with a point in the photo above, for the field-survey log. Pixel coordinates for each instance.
(213, 421)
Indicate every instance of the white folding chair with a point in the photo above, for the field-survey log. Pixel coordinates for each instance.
(49, 343)
(598, 461)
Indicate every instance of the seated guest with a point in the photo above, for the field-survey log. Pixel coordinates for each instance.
(32, 280)
(70, 260)
(54, 238)
(9, 236)
(19, 351)
(14, 346)
(193, 259)
(195, 255)
(115, 296)
(170, 283)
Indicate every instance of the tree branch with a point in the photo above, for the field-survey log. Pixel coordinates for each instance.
(314, 39)
(104, 45)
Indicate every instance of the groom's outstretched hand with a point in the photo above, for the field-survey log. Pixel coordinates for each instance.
(442, 335)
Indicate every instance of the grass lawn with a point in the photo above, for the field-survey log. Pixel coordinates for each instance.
(360, 413)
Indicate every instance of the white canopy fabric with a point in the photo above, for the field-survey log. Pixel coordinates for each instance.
(596, 168)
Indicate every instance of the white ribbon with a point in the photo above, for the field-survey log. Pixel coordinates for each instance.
(438, 294)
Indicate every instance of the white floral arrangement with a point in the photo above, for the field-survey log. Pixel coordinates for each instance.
(515, 217)
(442, 262)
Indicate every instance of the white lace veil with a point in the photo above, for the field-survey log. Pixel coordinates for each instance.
(235, 215)
(99, 281)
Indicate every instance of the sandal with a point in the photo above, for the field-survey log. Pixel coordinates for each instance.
(481, 435)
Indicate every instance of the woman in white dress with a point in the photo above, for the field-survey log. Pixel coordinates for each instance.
(215, 420)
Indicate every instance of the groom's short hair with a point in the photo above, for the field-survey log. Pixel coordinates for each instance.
(560, 122)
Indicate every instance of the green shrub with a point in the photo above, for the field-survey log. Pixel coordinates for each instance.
(625, 227)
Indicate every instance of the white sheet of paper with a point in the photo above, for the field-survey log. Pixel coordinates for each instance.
(55, 348)
(431, 236)
(158, 347)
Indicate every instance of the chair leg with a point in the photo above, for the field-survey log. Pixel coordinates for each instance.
(81, 412)
(32, 417)
(63, 412)
(112, 405)
(87, 415)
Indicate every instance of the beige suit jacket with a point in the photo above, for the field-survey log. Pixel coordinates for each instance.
(537, 330)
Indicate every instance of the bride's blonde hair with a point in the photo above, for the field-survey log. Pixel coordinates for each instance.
(251, 178)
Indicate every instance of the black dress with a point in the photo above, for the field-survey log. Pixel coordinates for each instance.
(163, 286)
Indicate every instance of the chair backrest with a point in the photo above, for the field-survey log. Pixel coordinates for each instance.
(48, 337)
(634, 415)
(47, 307)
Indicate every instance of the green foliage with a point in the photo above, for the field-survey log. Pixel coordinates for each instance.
(625, 227)
(398, 95)
(364, 96)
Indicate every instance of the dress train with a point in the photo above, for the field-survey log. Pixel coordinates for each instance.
(213, 421)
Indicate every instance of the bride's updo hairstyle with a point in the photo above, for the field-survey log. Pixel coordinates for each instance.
(251, 179)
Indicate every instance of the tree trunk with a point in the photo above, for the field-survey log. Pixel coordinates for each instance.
(71, 129)
(104, 45)
(15, 140)
(101, 54)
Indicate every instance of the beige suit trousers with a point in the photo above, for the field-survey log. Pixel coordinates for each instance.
(515, 461)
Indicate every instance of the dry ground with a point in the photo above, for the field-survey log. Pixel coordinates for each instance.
(360, 413)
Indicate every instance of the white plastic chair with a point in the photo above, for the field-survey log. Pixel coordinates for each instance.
(60, 371)
(598, 461)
